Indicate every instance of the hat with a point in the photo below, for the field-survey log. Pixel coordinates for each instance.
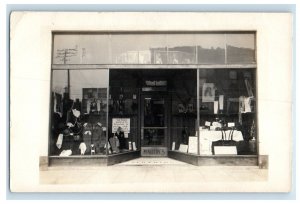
(76, 113)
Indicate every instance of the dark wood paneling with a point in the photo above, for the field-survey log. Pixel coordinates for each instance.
(93, 160)
(119, 158)
(228, 160)
(240, 160)
(188, 158)
(78, 161)
(245, 160)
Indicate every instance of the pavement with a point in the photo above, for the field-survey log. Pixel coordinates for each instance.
(153, 175)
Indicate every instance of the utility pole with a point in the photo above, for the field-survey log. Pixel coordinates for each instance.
(65, 55)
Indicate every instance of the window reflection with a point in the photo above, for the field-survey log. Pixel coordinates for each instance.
(201, 48)
(79, 126)
(138, 48)
(228, 113)
(240, 48)
(81, 49)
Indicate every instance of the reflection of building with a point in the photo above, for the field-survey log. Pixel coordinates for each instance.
(237, 54)
(134, 57)
(156, 90)
(188, 55)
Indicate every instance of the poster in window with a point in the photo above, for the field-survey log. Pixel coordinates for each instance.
(190, 108)
(181, 108)
(208, 92)
(94, 100)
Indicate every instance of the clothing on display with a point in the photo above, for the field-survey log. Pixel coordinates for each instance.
(115, 144)
(87, 136)
(66, 153)
(59, 141)
(82, 148)
(93, 134)
(72, 134)
(122, 140)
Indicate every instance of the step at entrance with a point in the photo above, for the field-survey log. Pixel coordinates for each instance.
(152, 161)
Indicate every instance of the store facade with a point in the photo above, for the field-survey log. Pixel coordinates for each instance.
(190, 96)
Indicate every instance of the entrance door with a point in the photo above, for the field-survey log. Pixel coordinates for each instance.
(154, 125)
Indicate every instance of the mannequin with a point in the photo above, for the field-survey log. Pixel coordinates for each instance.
(94, 137)
(87, 136)
(93, 107)
(114, 143)
(75, 129)
(121, 104)
(120, 134)
(97, 137)
(98, 106)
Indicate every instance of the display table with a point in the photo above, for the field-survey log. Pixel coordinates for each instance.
(209, 136)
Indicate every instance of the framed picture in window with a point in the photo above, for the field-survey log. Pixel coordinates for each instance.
(208, 92)
(233, 75)
(190, 108)
(181, 108)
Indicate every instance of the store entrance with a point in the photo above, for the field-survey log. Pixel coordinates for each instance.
(154, 124)
(158, 104)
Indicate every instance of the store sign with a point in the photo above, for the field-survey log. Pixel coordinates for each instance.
(156, 83)
(154, 151)
(124, 123)
(162, 88)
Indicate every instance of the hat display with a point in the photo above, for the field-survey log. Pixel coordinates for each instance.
(76, 113)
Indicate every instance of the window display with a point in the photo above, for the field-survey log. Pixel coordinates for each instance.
(80, 128)
(228, 112)
(192, 93)
(123, 114)
(184, 112)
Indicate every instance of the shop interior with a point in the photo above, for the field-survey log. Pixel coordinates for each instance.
(116, 111)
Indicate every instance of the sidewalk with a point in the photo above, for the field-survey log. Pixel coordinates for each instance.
(166, 175)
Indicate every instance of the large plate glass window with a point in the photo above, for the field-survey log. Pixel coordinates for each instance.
(227, 111)
(79, 113)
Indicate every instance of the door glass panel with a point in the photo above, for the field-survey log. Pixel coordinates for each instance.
(154, 136)
(154, 112)
(154, 129)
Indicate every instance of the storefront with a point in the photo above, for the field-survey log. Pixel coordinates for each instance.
(189, 96)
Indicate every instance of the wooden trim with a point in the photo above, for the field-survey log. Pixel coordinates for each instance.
(107, 110)
(122, 157)
(198, 160)
(149, 31)
(198, 111)
(152, 66)
(91, 160)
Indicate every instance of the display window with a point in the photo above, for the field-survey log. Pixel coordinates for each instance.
(227, 111)
(79, 114)
(183, 120)
(154, 93)
(124, 110)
